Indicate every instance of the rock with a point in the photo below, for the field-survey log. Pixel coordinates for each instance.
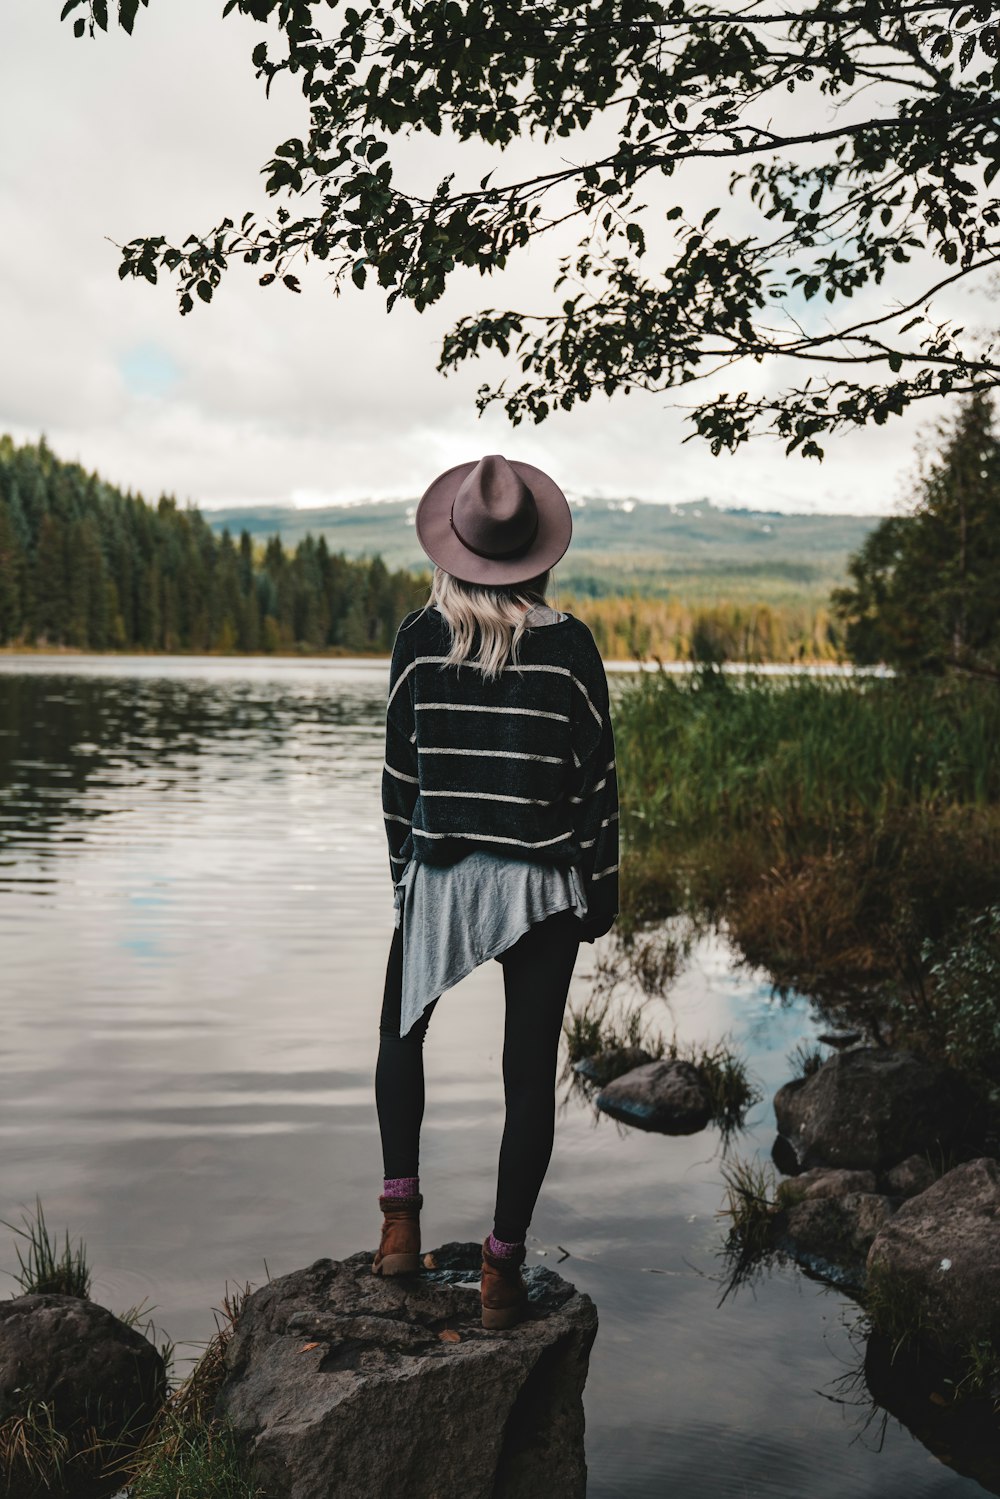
(833, 1234)
(840, 1038)
(670, 1096)
(79, 1358)
(340, 1383)
(939, 1255)
(909, 1177)
(606, 1065)
(825, 1181)
(869, 1107)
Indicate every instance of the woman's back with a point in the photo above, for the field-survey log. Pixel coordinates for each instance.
(521, 764)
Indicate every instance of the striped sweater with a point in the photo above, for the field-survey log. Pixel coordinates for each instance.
(523, 765)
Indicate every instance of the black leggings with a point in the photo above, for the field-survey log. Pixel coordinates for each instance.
(536, 971)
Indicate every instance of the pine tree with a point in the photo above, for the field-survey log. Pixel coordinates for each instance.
(11, 570)
(923, 594)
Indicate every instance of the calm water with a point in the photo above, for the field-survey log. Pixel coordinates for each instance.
(194, 911)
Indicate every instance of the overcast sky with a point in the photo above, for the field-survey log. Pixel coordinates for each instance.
(266, 396)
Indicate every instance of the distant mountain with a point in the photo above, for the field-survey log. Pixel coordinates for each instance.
(694, 548)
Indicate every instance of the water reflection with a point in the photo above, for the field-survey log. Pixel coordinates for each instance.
(194, 914)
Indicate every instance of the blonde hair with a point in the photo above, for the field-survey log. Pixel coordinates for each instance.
(497, 612)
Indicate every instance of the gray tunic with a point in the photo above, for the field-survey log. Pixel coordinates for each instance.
(457, 916)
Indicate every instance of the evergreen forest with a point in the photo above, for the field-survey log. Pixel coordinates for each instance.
(83, 564)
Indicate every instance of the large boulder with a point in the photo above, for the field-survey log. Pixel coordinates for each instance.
(939, 1256)
(869, 1108)
(341, 1383)
(670, 1096)
(92, 1371)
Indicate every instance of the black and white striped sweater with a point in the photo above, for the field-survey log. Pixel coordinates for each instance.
(523, 765)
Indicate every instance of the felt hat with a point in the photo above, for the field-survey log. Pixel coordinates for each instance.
(494, 521)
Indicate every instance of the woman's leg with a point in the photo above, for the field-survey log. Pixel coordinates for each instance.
(537, 971)
(399, 1074)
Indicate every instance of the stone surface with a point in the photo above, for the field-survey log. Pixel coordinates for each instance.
(670, 1096)
(82, 1360)
(836, 1229)
(606, 1065)
(942, 1250)
(825, 1181)
(340, 1384)
(909, 1177)
(840, 1038)
(869, 1108)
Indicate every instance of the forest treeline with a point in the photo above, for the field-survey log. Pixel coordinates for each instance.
(84, 564)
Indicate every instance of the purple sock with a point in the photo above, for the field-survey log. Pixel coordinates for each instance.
(401, 1186)
(502, 1248)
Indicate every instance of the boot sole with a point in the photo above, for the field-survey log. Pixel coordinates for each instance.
(496, 1318)
(398, 1264)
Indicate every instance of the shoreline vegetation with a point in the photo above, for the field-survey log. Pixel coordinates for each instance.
(844, 832)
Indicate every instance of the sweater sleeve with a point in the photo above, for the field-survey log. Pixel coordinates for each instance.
(595, 793)
(400, 785)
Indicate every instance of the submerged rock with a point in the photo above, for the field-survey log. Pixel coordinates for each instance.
(670, 1096)
(340, 1383)
(606, 1065)
(940, 1253)
(83, 1362)
(832, 1234)
(869, 1107)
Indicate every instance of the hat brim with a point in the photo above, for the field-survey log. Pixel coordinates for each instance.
(439, 541)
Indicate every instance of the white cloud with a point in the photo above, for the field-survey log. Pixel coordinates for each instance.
(265, 396)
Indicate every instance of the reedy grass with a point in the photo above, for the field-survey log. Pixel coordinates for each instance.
(45, 1269)
(751, 1202)
(799, 754)
(188, 1453)
(805, 1060)
(34, 1454)
(728, 1080)
(833, 827)
(203, 1464)
(597, 1026)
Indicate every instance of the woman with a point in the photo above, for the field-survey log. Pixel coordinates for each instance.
(501, 813)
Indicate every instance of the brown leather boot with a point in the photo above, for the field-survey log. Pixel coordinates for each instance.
(399, 1250)
(503, 1292)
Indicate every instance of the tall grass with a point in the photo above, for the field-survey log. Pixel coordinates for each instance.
(833, 826)
(798, 755)
(45, 1268)
(188, 1453)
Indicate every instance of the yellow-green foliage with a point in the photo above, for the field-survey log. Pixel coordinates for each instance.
(636, 628)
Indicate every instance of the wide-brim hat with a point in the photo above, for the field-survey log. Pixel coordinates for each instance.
(492, 521)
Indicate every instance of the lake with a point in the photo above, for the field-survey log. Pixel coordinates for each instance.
(195, 908)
